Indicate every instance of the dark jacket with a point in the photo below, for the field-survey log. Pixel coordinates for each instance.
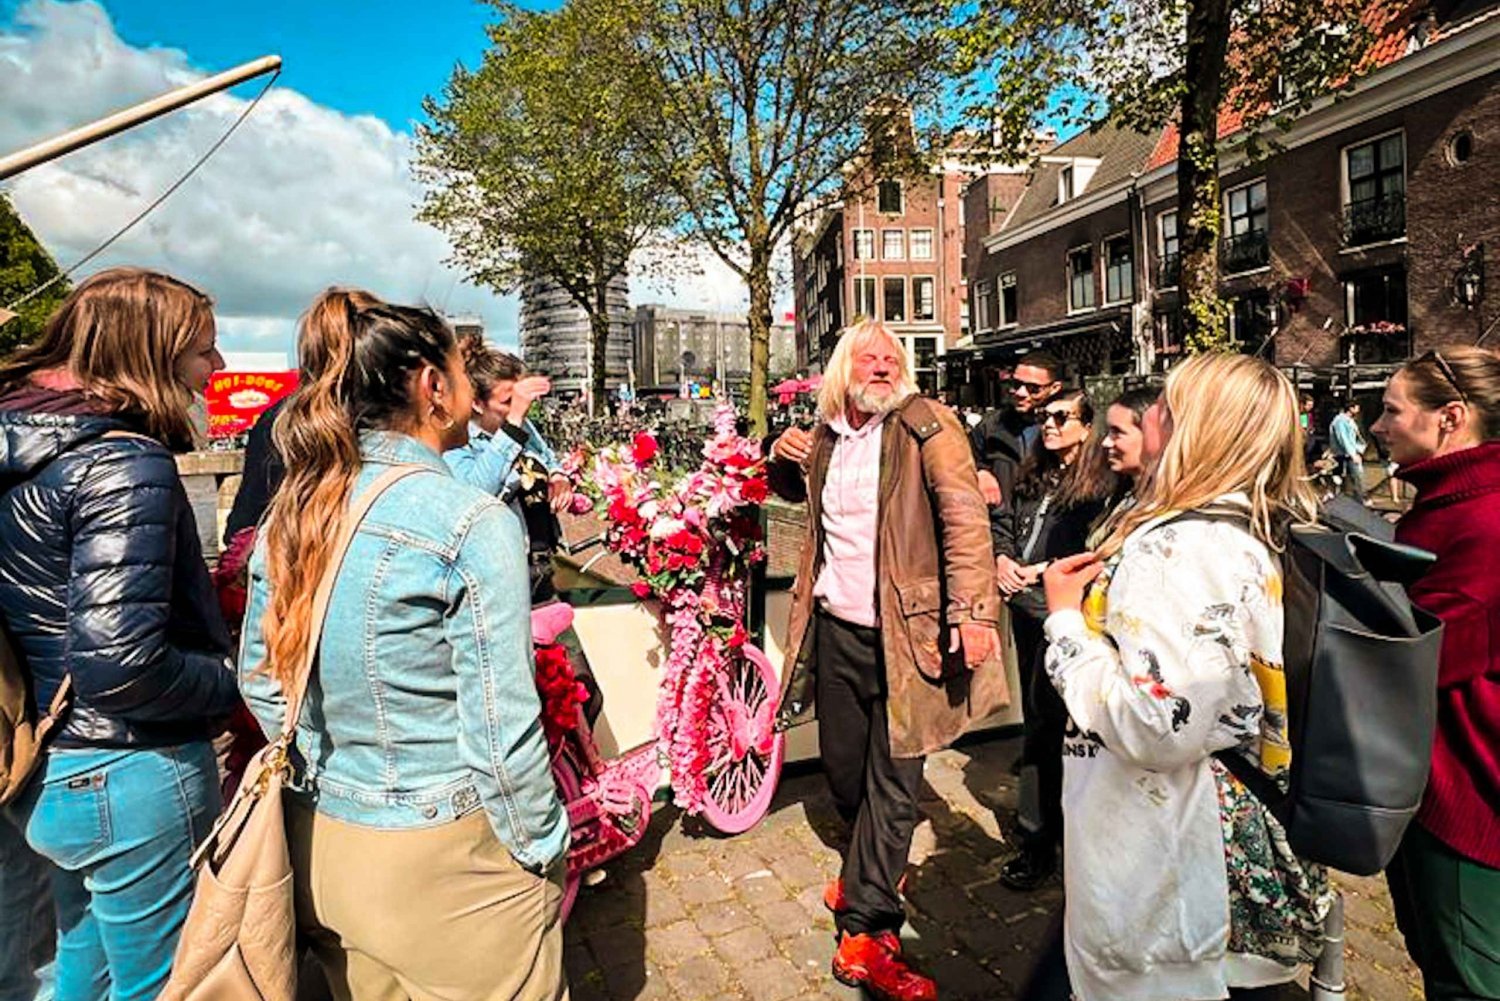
(1057, 533)
(102, 578)
(1001, 441)
(264, 471)
(1457, 516)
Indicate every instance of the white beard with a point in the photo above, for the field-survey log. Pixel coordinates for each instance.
(868, 403)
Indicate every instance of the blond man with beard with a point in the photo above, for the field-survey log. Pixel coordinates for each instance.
(892, 632)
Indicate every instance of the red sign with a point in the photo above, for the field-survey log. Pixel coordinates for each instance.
(236, 399)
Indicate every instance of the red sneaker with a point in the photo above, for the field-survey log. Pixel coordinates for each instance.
(833, 894)
(874, 963)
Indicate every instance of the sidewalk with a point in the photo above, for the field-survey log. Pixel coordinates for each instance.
(693, 916)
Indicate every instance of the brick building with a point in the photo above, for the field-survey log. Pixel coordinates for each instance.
(893, 250)
(1360, 241)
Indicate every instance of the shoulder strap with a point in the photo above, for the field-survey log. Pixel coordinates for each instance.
(920, 418)
(347, 529)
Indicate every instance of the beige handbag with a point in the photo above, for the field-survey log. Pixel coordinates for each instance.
(239, 942)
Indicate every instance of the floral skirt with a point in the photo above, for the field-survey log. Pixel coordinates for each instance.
(1277, 902)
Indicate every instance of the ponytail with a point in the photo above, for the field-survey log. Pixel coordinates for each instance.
(357, 357)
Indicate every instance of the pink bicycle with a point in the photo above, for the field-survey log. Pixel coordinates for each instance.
(609, 800)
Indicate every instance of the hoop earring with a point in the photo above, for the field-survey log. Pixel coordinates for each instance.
(451, 419)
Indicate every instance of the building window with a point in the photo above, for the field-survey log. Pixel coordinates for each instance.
(1065, 184)
(895, 300)
(1119, 269)
(1169, 271)
(1250, 324)
(924, 298)
(893, 244)
(982, 296)
(864, 244)
(924, 362)
(963, 316)
(889, 197)
(1081, 279)
(921, 244)
(1375, 317)
(1008, 299)
(864, 298)
(1167, 335)
(1246, 245)
(1375, 209)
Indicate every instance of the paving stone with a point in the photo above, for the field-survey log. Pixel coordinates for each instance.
(723, 917)
(1378, 949)
(708, 888)
(675, 943)
(788, 918)
(810, 953)
(686, 866)
(700, 977)
(745, 945)
(959, 977)
(663, 906)
(773, 979)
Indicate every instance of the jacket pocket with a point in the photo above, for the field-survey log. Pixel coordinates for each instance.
(922, 615)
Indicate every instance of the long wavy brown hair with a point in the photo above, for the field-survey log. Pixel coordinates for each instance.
(358, 358)
(120, 334)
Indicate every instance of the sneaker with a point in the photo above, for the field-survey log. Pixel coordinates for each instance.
(874, 963)
(1029, 870)
(833, 894)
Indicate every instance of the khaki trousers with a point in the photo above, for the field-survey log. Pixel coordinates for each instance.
(437, 914)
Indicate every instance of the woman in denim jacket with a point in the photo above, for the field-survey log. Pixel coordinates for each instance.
(426, 830)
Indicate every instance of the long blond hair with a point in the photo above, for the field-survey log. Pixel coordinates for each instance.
(120, 334)
(358, 354)
(839, 372)
(1234, 430)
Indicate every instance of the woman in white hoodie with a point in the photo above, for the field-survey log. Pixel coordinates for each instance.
(1166, 647)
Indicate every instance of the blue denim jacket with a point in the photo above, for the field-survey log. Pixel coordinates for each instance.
(423, 705)
(489, 461)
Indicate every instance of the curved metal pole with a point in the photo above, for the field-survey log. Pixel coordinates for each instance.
(51, 149)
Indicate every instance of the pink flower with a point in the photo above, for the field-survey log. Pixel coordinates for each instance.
(581, 504)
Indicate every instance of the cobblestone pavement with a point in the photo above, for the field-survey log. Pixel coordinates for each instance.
(692, 916)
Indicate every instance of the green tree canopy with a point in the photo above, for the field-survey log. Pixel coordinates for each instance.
(24, 265)
(531, 165)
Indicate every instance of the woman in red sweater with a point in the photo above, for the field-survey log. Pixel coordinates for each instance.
(1441, 422)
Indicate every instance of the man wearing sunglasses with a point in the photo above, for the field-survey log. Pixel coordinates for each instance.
(1005, 436)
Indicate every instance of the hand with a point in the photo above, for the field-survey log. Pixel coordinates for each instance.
(523, 394)
(1011, 575)
(1066, 580)
(979, 642)
(990, 487)
(559, 492)
(794, 445)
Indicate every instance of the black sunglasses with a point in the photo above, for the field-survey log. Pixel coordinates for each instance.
(1059, 417)
(1031, 388)
(1436, 357)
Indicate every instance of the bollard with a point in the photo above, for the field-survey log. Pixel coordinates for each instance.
(1328, 973)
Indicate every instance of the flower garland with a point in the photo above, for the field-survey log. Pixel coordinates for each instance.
(560, 691)
(693, 542)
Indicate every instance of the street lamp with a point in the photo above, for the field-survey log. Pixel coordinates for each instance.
(1468, 281)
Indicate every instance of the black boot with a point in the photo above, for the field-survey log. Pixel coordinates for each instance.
(1030, 869)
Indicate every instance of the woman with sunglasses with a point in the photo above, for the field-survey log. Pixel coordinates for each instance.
(1060, 491)
(1441, 423)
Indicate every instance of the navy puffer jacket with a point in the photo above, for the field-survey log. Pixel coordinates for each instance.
(102, 577)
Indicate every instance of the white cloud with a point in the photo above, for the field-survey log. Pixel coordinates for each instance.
(302, 197)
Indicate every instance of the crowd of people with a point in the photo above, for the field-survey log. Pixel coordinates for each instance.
(390, 541)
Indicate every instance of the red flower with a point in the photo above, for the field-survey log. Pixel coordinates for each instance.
(754, 491)
(641, 589)
(739, 637)
(621, 511)
(643, 448)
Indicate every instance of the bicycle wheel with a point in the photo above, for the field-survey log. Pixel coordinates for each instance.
(569, 790)
(745, 751)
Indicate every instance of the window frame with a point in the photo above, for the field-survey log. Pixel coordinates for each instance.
(1104, 244)
(983, 294)
(856, 231)
(1093, 291)
(911, 243)
(1066, 184)
(887, 282)
(1161, 245)
(874, 297)
(1251, 214)
(1003, 319)
(896, 231)
(880, 189)
(1345, 183)
(914, 302)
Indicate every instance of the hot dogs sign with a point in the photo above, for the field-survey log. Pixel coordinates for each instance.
(236, 399)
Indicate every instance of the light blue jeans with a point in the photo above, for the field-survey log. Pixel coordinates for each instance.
(28, 932)
(120, 826)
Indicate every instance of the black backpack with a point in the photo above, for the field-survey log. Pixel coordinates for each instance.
(1361, 667)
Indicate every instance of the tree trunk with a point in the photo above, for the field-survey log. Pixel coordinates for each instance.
(760, 336)
(1200, 213)
(599, 349)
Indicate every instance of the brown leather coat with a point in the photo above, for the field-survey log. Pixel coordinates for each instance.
(934, 568)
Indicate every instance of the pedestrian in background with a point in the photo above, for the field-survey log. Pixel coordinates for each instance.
(1347, 443)
(898, 663)
(1441, 423)
(1005, 436)
(1166, 648)
(103, 588)
(426, 833)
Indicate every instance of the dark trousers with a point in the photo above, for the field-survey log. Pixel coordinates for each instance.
(875, 793)
(1046, 718)
(1448, 910)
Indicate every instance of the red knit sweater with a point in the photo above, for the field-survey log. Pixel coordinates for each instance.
(1457, 516)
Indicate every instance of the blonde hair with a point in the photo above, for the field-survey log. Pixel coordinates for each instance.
(838, 374)
(120, 335)
(1234, 430)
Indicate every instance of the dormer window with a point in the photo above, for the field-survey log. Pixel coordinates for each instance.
(889, 198)
(1065, 190)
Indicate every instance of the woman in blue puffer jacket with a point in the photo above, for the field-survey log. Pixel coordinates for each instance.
(103, 587)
